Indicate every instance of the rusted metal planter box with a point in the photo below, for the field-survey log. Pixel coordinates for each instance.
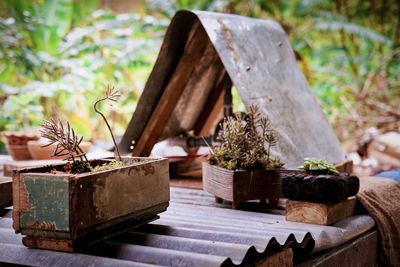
(65, 211)
(241, 185)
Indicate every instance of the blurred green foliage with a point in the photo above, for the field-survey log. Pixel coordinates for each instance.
(56, 57)
(60, 54)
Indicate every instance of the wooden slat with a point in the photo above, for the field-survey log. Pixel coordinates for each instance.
(5, 191)
(12, 165)
(283, 259)
(361, 252)
(194, 49)
(203, 80)
(317, 213)
(345, 166)
(213, 108)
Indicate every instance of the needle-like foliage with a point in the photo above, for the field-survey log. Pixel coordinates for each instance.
(246, 143)
(66, 139)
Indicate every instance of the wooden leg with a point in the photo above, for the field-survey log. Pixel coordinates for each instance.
(235, 205)
(218, 200)
(273, 202)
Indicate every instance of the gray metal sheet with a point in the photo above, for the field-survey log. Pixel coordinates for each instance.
(260, 62)
(190, 234)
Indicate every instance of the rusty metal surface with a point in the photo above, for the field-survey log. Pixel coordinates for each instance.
(194, 231)
(261, 64)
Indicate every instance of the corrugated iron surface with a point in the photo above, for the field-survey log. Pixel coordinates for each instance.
(193, 232)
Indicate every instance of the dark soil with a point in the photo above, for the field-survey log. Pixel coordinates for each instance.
(321, 188)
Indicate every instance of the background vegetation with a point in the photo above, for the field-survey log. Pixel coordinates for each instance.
(56, 56)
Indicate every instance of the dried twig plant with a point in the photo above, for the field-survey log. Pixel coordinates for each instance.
(68, 141)
(112, 95)
(246, 143)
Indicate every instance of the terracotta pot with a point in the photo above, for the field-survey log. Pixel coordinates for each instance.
(18, 152)
(17, 144)
(38, 152)
(20, 138)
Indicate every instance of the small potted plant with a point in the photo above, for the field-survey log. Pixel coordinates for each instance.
(65, 206)
(318, 193)
(242, 168)
(21, 116)
(319, 181)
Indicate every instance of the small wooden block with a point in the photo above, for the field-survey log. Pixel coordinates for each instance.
(345, 166)
(283, 259)
(5, 192)
(219, 200)
(317, 213)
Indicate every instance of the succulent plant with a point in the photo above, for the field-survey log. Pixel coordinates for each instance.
(311, 165)
(245, 143)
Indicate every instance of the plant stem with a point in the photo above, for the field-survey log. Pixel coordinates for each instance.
(82, 154)
(108, 125)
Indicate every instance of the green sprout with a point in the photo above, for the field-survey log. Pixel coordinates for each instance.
(315, 165)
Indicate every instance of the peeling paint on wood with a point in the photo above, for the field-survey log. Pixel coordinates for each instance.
(46, 202)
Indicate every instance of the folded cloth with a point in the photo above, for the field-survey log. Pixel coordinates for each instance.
(381, 198)
(393, 174)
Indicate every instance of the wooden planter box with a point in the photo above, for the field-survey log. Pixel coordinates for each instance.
(241, 185)
(65, 211)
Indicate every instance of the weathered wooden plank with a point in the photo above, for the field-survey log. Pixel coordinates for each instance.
(361, 252)
(206, 75)
(101, 233)
(194, 50)
(16, 186)
(139, 187)
(317, 213)
(10, 166)
(282, 259)
(169, 57)
(213, 108)
(5, 191)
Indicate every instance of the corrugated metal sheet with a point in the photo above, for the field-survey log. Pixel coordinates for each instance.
(193, 232)
(259, 59)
